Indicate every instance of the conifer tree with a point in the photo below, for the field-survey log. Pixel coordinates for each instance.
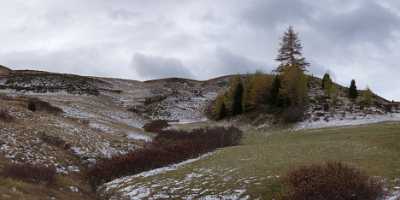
(257, 90)
(222, 111)
(290, 54)
(294, 93)
(237, 97)
(274, 93)
(326, 81)
(294, 87)
(353, 93)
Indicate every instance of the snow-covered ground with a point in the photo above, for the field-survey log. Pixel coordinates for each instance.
(349, 120)
(394, 196)
(194, 184)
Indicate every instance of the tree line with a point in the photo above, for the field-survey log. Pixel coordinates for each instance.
(285, 92)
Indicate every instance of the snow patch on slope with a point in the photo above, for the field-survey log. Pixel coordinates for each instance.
(350, 120)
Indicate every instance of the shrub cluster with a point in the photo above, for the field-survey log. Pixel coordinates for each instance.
(155, 126)
(5, 116)
(30, 173)
(293, 114)
(35, 104)
(169, 147)
(332, 180)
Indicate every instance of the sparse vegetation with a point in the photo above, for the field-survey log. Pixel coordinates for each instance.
(333, 181)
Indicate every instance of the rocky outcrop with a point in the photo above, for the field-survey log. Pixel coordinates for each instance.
(4, 71)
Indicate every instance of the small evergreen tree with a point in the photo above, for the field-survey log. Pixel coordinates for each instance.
(353, 93)
(326, 81)
(275, 91)
(222, 111)
(290, 52)
(237, 105)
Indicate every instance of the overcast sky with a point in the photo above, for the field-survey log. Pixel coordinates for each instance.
(146, 39)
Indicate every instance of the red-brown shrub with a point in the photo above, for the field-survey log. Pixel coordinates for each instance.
(333, 181)
(30, 173)
(155, 126)
(169, 147)
(5, 116)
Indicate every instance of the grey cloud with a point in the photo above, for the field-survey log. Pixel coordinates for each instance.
(231, 63)
(200, 39)
(153, 67)
(123, 14)
(272, 13)
(369, 22)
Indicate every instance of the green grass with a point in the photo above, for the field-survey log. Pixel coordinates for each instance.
(264, 157)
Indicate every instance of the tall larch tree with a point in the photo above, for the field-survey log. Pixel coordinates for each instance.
(290, 52)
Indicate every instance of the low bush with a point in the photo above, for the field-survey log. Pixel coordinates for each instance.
(30, 173)
(35, 104)
(5, 116)
(169, 147)
(333, 181)
(155, 126)
(293, 114)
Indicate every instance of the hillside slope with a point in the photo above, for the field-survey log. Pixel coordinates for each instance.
(91, 118)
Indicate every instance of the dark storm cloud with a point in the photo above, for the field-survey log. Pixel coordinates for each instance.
(201, 39)
(153, 67)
